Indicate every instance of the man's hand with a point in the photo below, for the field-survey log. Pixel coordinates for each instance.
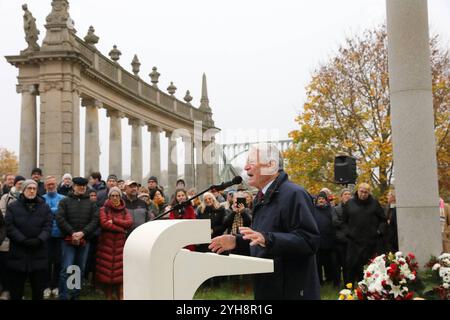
(255, 237)
(222, 243)
(77, 235)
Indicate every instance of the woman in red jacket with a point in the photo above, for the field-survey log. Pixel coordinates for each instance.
(185, 213)
(115, 220)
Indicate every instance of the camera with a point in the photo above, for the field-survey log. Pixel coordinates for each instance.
(241, 201)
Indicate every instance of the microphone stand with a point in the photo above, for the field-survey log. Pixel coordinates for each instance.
(185, 203)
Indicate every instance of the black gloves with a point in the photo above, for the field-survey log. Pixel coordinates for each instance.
(32, 243)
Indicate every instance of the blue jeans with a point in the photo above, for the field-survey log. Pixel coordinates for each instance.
(71, 255)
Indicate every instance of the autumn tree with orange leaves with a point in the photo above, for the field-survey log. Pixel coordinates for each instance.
(8, 162)
(347, 111)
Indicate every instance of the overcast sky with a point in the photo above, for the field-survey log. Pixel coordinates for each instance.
(258, 55)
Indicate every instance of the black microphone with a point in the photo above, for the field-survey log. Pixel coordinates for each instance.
(224, 185)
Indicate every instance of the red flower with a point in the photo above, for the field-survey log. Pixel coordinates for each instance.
(393, 266)
(411, 256)
(368, 274)
(409, 296)
(359, 294)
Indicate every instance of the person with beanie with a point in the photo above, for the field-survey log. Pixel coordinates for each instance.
(6, 200)
(115, 221)
(102, 195)
(65, 186)
(28, 224)
(323, 214)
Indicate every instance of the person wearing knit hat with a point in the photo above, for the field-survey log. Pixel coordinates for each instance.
(9, 197)
(115, 189)
(18, 178)
(27, 183)
(344, 190)
(67, 176)
(65, 186)
(115, 221)
(30, 219)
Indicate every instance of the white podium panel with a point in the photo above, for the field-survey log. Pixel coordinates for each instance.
(156, 266)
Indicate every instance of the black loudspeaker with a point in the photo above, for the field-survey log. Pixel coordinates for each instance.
(345, 170)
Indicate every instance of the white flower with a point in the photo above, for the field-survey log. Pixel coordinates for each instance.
(443, 272)
(398, 254)
(397, 291)
(446, 285)
(436, 266)
(345, 292)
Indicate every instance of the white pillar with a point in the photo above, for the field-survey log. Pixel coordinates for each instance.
(188, 162)
(92, 145)
(28, 130)
(201, 166)
(413, 128)
(172, 168)
(155, 151)
(115, 142)
(136, 149)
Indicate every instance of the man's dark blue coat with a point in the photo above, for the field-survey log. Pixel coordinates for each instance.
(285, 218)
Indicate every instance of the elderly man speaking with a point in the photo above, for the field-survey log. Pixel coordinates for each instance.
(283, 229)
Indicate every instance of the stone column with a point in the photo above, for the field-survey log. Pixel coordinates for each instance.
(172, 168)
(155, 151)
(215, 170)
(115, 142)
(91, 138)
(28, 130)
(136, 149)
(59, 132)
(201, 166)
(188, 162)
(413, 128)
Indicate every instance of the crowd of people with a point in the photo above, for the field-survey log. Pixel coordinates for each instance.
(50, 225)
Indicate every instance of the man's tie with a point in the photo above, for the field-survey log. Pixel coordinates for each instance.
(259, 196)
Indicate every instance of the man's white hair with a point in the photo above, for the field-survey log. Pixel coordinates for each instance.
(268, 152)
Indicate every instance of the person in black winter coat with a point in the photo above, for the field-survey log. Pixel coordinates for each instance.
(2, 229)
(28, 223)
(366, 224)
(77, 218)
(283, 229)
(211, 209)
(325, 256)
(391, 238)
(340, 247)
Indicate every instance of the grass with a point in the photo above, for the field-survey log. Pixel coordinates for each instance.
(226, 290)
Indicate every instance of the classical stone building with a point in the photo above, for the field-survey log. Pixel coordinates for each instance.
(68, 72)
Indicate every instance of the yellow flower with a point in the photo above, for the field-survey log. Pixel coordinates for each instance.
(341, 297)
(349, 285)
(350, 297)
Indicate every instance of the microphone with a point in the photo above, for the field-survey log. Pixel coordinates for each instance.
(224, 185)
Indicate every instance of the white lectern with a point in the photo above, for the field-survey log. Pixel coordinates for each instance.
(156, 266)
